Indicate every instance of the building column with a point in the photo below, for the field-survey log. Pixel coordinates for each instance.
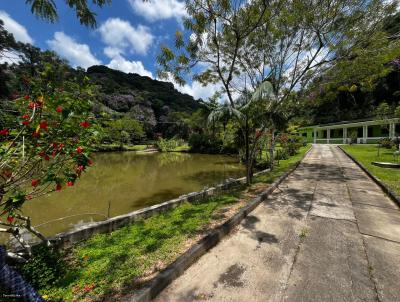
(344, 135)
(392, 130)
(365, 134)
(328, 135)
(315, 135)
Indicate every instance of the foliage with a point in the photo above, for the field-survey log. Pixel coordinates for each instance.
(386, 143)
(383, 111)
(47, 10)
(355, 86)
(207, 143)
(277, 47)
(166, 145)
(290, 143)
(44, 269)
(47, 144)
(123, 130)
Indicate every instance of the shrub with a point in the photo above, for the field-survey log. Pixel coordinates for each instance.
(386, 143)
(44, 268)
(290, 144)
(205, 143)
(165, 145)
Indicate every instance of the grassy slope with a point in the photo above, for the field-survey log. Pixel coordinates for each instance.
(111, 261)
(366, 154)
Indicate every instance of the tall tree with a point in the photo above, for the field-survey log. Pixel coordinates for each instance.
(240, 44)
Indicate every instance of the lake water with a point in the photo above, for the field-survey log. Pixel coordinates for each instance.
(121, 182)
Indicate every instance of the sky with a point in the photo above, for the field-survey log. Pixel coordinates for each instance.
(128, 36)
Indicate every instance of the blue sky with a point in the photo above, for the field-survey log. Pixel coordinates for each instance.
(128, 35)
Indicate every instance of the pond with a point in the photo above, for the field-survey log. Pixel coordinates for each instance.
(121, 182)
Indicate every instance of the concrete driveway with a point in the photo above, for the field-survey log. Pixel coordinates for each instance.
(327, 234)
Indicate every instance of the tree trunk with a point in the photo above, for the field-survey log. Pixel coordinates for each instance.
(271, 151)
(247, 154)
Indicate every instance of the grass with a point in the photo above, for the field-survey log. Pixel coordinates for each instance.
(107, 265)
(184, 148)
(282, 166)
(366, 154)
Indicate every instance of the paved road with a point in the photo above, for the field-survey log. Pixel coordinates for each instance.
(327, 234)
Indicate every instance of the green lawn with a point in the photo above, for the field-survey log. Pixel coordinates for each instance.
(366, 154)
(105, 264)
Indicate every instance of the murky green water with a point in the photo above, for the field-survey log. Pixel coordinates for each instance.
(128, 181)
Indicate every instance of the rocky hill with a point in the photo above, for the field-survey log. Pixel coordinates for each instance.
(147, 100)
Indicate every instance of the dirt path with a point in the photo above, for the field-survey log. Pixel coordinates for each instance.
(327, 234)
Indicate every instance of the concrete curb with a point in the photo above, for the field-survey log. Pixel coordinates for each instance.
(177, 268)
(383, 186)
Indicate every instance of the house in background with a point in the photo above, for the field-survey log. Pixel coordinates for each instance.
(362, 131)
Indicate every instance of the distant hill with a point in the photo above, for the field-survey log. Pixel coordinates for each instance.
(140, 97)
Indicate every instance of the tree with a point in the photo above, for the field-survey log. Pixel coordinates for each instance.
(123, 130)
(45, 147)
(47, 10)
(239, 45)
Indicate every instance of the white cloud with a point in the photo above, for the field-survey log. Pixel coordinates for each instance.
(159, 9)
(120, 63)
(198, 91)
(20, 33)
(121, 35)
(195, 89)
(77, 54)
(112, 52)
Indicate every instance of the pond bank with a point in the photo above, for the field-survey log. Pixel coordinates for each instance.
(110, 265)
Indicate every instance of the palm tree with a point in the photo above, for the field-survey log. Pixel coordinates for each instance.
(255, 113)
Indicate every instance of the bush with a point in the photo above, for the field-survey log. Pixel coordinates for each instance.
(290, 144)
(205, 143)
(165, 145)
(44, 268)
(386, 143)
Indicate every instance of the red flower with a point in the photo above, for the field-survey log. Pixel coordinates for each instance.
(84, 124)
(7, 173)
(32, 105)
(61, 146)
(70, 184)
(43, 125)
(79, 150)
(79, 170)
(46, 157)
(25, 123)
(58, 187)
(27, 97)
(35, 182)
(10, 219)
(59, 109)
(55, 145)
(88, 288)
(42, 154)
(36, 134)
(54, 153)
(26, 116)
(4, 132)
